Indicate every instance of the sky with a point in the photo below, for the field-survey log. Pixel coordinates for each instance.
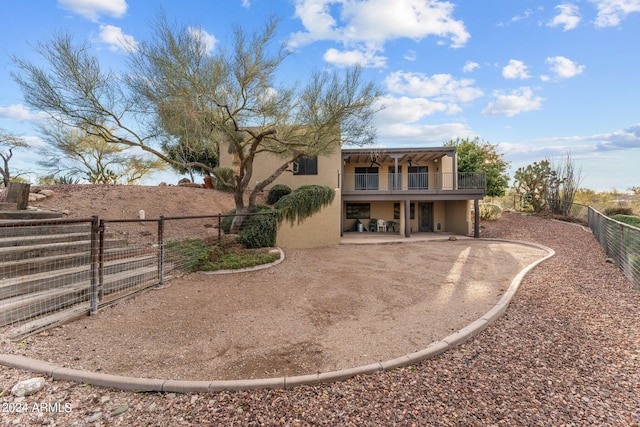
(540, 79)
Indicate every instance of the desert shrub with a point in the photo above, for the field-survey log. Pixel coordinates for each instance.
(277, 192)
(628, 219)
(190, 254)
(490, 212)
(199, 255)
(619, 210)
(258, 231)
(227, 175)
(304, 202)
(225, 224)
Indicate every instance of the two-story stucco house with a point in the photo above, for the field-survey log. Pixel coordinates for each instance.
(378, 190)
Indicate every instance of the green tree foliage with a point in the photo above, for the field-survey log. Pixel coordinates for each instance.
(82, 154)
(545, 186)
(178, 90)
(8, 143)
(531, 184)
(475, 156)
(181, 153)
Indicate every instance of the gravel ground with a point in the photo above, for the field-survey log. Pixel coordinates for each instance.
(566, 353)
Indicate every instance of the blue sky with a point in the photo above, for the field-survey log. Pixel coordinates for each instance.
(538, 78)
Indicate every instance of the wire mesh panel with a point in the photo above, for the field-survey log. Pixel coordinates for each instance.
(620, 241)
(129, 257)
(196, 243)
(45, 272)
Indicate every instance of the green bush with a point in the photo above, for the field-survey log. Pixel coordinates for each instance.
(277, 192)
(490, 212)
(258, 231)
(225, 224)
(303, 202)
(618, 211)
(628, 219)
(227, 176)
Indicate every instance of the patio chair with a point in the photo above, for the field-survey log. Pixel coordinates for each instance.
(373, 225)
(382, 224)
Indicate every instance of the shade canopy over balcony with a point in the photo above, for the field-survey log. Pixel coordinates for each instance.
(389, 156)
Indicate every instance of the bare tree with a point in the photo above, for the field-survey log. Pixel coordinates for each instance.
(8, 143)
(178, 89)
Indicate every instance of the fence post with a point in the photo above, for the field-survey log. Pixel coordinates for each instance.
(161, 251)
(93, 291)
(101, 229)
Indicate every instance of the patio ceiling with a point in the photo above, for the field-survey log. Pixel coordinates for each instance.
(415, 157)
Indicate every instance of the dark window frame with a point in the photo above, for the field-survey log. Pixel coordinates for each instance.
(306, 166)
(358, 210)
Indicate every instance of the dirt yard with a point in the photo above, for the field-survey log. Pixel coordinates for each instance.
(319, 310)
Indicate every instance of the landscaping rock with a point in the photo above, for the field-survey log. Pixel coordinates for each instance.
(27, 387)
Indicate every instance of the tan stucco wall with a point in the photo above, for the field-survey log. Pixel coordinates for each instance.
(458, 214)
(322, 229)
(265, 164)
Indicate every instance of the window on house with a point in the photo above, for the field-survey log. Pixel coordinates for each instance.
(366, 178)
(358, 210)
(396, 211)
(306, 166)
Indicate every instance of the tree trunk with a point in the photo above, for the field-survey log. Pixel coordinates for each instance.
(18, 193)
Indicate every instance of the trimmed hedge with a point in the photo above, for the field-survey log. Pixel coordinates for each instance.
(277, 192)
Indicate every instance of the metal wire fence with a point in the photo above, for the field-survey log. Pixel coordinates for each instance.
(55, 270)
(45, 267)
(620, 241)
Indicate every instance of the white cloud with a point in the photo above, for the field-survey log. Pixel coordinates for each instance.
(208, 40)
(568, 18)
(92, 9)
(403, 135)
(20, 113)
(117, 40)
(442, 87)
(246, 4)
(410, 55)
(515, 102)
(611, 12)
(470, 66)
(515, 70)
(368, 24)
(564, 68)
(354, 57)
(408, 110)
(624, 139)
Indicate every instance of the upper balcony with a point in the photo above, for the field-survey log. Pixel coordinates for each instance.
(419, 173)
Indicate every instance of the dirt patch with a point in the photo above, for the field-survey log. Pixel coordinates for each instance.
(320, 310)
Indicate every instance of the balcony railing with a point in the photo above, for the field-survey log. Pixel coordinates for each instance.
(414, 182)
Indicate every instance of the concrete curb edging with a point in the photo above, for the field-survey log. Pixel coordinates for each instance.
(256, 268)
(181, 386)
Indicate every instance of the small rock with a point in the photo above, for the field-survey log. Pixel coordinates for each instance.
(121, 410)
(610, 261)
(47, 193)
(453, 238)
(95, 417)
(27, 387)
(104, 399)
